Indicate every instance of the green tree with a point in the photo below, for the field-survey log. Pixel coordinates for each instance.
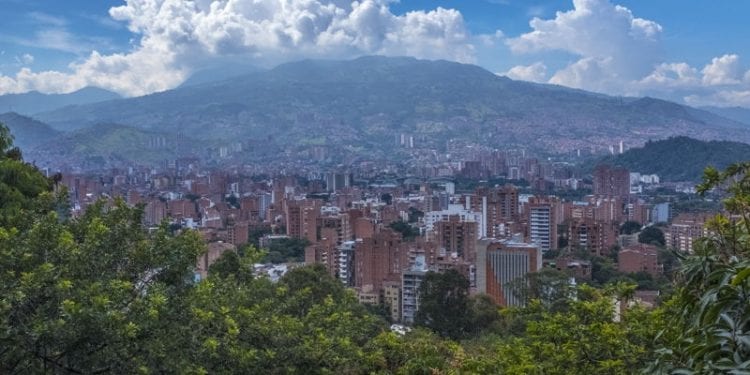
(581, 339)
(286, 250)
(713, 317)
(94, 294)
(549, 287)
(20, 183)
(407, 231)
(652, 235)
(444, 304)
(418, 352)
(630, 227)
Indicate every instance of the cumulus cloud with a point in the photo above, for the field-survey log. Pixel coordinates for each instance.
(722, 82)
(722, 98)
(724, 70)
(672, 75)
(536, 72)
(611, 44)
(615, 52)
(176, 36)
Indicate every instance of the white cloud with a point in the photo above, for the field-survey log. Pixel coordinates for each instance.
(610, 42)
(536, 72)
(26, 59)
(616, 52)
(176, 36)
(724, 70)
(723, 98)
(591, 73)
(47, 19)
(672, 75)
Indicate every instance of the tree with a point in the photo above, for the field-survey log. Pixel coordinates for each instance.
(20, 183)
(407, 231)
(630, 227)
(581, 339)
(652, 235)
(713, 314)
(94, 294)
(549, 287)
(444, 304)
(286, 250)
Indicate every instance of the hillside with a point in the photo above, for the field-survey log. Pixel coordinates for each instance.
(27, 132)
(366, 101)
(35, 102)
(738, 114)
(114, 144)
(681, 158)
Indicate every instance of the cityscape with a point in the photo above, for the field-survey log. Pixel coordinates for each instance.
(374, 187)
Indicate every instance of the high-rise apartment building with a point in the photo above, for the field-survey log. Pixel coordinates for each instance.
(379, 259)
(592, 235)
(611, 181)
(497, 206)
(542, 222)
(457, 237)
(346, 266)
(411, 280)
(500, 263)
(685, 230)
(301, 219)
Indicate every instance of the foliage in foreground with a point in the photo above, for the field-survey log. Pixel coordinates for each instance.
(99, 294)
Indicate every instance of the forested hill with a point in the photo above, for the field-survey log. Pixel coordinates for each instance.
(680, 158)
(27, 132)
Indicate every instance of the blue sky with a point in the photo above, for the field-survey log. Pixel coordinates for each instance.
(689, 51)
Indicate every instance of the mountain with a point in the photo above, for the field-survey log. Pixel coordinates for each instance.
(109, 145)
(34, 102)
(739, 114)
(364, 103)
(680, 158)
(27, 132)
(219, 73)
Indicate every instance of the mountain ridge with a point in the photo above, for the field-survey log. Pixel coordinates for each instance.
(27, 132)
(34, 102)
(368, 100)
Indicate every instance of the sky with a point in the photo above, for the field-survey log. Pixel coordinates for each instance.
(691, 51)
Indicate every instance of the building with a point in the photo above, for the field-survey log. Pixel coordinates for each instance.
(497, 206)
(611, 181)
(392, 299)
(346, 269)
(379, 259)
(338, 223)
(592, 235)
(454, 210)
(684, 230)
(457, 238)
(639, 258)
(368, 296)
(411, 280)
(301, 219)
(238, 233)
(502, 262)
(542, 222)
(660, 213)
(338, 181)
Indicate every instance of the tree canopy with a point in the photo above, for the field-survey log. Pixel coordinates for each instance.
(101, 294)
